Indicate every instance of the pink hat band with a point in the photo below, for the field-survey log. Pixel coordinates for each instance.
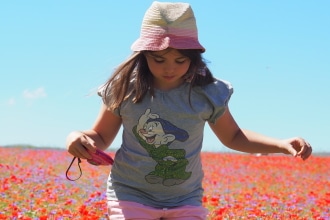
(168, 25)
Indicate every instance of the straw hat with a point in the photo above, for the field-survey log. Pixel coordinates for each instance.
(168, 25)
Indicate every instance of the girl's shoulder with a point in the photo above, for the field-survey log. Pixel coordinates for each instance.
(217, 88)
(217, 94)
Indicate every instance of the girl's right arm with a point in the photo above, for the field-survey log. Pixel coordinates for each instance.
(100, 136)
(232, 136)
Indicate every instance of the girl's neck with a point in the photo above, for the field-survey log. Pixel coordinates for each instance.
(168, 86)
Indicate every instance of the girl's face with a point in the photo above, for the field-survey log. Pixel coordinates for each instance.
(168, 68)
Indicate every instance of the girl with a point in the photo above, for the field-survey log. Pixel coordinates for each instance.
(162, 96)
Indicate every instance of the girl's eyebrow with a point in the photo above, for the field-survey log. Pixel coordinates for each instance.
(160, 56)
(155, 55)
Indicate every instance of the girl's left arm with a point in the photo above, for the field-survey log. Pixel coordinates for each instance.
(100, 136)
(232, 136)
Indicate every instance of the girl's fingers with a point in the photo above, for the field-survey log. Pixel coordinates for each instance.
(304, 148)
(307, 151)
(87, 143)
(85, 147)
(79, 144)
(82, 152)
(291, 149)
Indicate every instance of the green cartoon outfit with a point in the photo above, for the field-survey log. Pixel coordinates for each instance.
(155, 135)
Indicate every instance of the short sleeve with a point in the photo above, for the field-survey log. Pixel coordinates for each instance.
(101, 92)
(218, 93)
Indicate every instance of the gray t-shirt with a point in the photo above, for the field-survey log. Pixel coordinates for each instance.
(158, 163)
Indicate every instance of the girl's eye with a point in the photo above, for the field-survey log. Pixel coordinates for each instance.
(159, 60)
(180, 61)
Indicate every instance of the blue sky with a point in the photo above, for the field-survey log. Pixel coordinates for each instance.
(54, 54)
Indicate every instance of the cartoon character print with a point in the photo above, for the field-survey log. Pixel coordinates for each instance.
(155, 135)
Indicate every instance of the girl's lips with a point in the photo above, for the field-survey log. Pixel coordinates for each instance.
(168, 77)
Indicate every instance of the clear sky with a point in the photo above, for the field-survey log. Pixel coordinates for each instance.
(54, 55)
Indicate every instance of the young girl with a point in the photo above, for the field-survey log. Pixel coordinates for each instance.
(162, 96)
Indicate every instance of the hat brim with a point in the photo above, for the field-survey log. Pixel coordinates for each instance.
(162, 43)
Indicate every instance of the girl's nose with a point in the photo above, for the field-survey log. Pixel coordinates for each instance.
(169, 68)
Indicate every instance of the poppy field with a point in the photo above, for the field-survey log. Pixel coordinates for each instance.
(237, 186)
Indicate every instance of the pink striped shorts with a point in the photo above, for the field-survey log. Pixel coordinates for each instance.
(120, 210)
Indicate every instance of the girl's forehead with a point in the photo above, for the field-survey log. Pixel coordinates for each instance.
(167, 52)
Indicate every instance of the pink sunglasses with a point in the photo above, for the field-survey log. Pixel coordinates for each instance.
(99, 158)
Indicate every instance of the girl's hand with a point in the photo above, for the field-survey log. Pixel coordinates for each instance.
(77, 144)
(298, 147)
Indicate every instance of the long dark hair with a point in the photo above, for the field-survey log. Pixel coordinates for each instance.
(133, 79)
